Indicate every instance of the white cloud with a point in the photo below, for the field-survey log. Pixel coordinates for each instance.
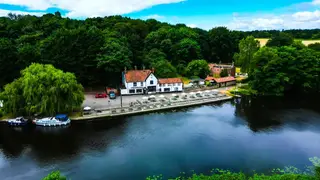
(316, 2)
(307, 16)
(192, 25)
(4, 12)
(298, 20)
(30, 4)
(88, 8)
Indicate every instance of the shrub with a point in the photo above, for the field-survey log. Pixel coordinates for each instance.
(54, 176)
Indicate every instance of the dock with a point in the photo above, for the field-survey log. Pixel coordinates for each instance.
(152, 107)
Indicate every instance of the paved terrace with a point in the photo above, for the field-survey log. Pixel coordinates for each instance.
(158, 102)
(106, 103)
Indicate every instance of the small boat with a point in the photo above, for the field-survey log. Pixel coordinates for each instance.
(58, 120)
(19, 121)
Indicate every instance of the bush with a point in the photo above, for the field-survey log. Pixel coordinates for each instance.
(1, 113)
(54, 176)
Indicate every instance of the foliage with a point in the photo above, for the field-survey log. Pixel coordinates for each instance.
(96, 49)
(281, 39)
(247, 48)
(223, 44)
(315, 46)
(44, 90)
(243, 90)
(164, 69)
(224, 73)
(54, 176)
(198, 68)
(285, 69)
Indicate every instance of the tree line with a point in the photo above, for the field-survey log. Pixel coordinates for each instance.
(97, 50)
(283, 66)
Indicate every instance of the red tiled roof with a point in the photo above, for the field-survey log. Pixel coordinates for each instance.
(137, 75)
(209, 78)
(224, 79)
(169, 80)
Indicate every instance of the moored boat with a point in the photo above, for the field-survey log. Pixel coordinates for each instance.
(19, 121)
(58, 120)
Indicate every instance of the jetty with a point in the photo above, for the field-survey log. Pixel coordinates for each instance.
(153, 104)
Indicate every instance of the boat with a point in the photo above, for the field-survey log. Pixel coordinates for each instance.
(58, 120)
(19, 121)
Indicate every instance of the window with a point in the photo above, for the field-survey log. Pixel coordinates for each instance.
(166, 89)
(139, 90)
(132, 91)
(151, 82)
(134, 84)
(141, 83)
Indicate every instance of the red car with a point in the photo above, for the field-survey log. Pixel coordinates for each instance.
(101, 95)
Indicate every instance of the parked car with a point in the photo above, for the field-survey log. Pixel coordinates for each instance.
(101, 95)
(112, 95)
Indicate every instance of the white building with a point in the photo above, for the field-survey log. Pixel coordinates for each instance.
(170, 85)
(145, 82)
(139, 82)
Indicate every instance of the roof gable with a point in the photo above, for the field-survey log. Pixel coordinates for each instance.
(137, 75)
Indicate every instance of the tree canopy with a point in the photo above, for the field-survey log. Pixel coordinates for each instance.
(96, 49)
(247, 48)
(198, 68)
(285, 69)
(42, 89)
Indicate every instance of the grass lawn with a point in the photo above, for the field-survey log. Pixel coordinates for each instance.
(263, 41)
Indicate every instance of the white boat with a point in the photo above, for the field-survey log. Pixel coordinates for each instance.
(58, 120)
(19, 121)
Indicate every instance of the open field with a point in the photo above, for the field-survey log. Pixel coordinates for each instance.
(263, 41)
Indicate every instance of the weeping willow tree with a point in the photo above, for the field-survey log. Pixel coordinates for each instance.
(42, 89)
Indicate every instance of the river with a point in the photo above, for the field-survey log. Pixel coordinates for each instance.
(252, 134)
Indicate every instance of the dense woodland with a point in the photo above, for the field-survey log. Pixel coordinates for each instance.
(96, 50)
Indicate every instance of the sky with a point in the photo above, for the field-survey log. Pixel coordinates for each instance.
(206, 14)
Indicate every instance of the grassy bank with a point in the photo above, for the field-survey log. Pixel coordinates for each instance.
(243, 90)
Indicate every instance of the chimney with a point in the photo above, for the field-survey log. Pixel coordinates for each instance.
(143, 67)
(125, 70)
(135, 67)
(152, 70)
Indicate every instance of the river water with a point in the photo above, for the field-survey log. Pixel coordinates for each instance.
(252, 134)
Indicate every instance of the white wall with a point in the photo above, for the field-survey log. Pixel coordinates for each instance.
(172, 87)
(151, 77)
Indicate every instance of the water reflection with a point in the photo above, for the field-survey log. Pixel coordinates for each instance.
(254, 133)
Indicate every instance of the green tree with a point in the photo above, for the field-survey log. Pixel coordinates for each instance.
(186, 50)
(281, 39)
(224, 73)
(199, 68)
(285, 69)
(42, 89)
(164, 69)
(247, 47)
(314, 46)
(8, 60)
(222, 44)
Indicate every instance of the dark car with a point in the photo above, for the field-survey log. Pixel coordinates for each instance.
(101, 95)
(112, 95)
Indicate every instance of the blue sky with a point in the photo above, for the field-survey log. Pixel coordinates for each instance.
(235, 14)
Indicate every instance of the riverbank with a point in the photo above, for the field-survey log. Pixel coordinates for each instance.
(153, 107)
